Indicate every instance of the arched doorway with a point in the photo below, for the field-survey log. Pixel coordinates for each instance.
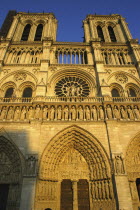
(132, 161)
(10, 175)
(74, 173)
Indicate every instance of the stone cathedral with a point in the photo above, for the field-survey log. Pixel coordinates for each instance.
(69, 115)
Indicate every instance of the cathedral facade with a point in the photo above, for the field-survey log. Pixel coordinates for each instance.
(69, 115)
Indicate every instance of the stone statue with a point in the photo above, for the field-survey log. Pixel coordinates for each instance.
(73, 113)
(101, 113)
(66, 113)
(3, 113)
(109, 112)
(17, 113)
(87, 113)
(31, 165)
(119, 165)
(14, 93)
(10, 114)
(116, 113)
(73, 89)
(94, 113)
(52, 113)
(23, 113)
(123, 113)
(59, 113)
(130, 113)
(80, 113)
(30, 113)
(37, 112)
(45, 113)
(136, 113)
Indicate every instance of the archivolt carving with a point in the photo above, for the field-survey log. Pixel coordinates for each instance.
(76, 138)
(132, 159)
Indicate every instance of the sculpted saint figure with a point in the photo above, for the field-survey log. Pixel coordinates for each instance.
(101, 113)
(3, 113)
(45, 112)
(59, 113)
(10, 114)
(73, 90)
(73, 113)
(87, 113)
(94, 113)
(37, 112)
(130, 113)
(116, 112)
(23, 113)
(119, 165)
(66, 113)
(52, 113)
(80, 113)
(109, 112)
(17, 113)
(30, 113)
(136, 112)
(123, 113)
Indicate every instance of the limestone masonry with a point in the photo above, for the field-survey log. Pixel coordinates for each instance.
(69, 115)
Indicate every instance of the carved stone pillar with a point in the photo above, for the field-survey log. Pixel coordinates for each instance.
(75, 197)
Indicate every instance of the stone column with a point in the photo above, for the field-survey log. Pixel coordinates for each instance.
(86, 31)
(75, 195)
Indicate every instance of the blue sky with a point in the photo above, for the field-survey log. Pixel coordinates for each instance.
(70, 13)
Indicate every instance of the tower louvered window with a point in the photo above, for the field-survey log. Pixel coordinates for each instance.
(26, 32)
(100, 33)
(111, 34)
(38, 34)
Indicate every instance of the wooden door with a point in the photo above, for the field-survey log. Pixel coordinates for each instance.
(66, 195)
(83, 195)
(4, 189)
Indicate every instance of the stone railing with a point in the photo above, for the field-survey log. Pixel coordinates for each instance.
(72, 109)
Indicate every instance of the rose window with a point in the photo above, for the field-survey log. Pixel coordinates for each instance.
(72, 87)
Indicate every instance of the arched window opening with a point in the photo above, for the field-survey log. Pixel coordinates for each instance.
(100, 33)
(138, 186)
(132, 92)
(9, 92)
(26, 32)
(27, 93)
(111, 34)
(115, 92)
(38, 34)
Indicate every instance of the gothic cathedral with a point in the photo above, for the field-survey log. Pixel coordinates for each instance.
(69, 115)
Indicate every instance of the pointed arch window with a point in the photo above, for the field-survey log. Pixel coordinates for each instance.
(9, 92)
(27, 93)
(100, 33)
(38, 34)
(132, 92)
(111, 34)
(26, 32)
(115, 92)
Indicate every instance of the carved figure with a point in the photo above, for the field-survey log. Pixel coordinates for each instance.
(87, 113)
(80, 113)
(45, 112)
(30, 113)
(73, 89)
(37, 112)
(14, 93)
(123, 113)
(23, 113)
(136, 113)
(119, 165)
(17, 113)
(10, 113)
(66, 113)
(73, 113)
(59, 113)
(31, 165)
(3, 113)
(101, 113)
(116, 112)
(109, 112)
(130, 113)
(52, 113)
(94, 113)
